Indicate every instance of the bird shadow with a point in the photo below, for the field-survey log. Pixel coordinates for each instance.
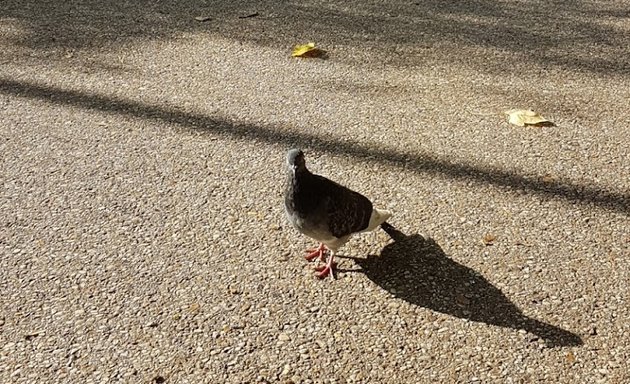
(418, 271)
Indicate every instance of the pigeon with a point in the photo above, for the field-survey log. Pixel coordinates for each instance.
(326, 211)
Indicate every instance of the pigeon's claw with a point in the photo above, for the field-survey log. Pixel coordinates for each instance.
(317, 252)
(327, 269)
(321, 268)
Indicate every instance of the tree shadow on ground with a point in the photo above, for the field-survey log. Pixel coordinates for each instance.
(418, 271)
(402, 32)
(424, 163)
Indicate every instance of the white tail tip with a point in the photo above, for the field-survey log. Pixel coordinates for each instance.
(379, 216)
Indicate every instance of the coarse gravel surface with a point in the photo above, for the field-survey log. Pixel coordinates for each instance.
(142, 151)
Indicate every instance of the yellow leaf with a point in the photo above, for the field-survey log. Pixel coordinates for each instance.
(548, 178)
(489, 239)
(194, 307)
(306, 50)
(523, 117)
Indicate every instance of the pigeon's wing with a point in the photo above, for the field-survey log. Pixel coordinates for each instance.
(347, 211)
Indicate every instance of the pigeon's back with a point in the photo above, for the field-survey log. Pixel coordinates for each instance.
(347, 211)
(315, 204)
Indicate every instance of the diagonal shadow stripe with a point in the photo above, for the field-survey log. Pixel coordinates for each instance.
(421, 163)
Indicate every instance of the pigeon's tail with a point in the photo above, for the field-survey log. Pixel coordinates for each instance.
(395, 234)
(378, 217)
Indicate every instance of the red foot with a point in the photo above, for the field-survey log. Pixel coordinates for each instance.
(317, 252)
(325, 270)
(325, 267)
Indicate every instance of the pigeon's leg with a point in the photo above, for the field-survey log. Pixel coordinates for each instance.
(327, 269)
(317, 252)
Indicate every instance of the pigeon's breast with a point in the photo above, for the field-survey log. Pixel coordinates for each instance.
(311, 228)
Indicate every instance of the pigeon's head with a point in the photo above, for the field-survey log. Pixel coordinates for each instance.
(295, 160)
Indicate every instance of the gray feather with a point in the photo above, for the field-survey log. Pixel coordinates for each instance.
(320, 208)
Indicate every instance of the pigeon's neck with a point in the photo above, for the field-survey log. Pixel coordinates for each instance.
(301, 176)
(300, 191)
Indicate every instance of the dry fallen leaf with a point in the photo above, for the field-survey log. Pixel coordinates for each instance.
(489, 239)
(203, 19)
(462, 300)
(306, 50)
(571, 357)
(194, 307)
(33, 334)
(523, 117)
(234, 290)
(548, 178)
(249, 15)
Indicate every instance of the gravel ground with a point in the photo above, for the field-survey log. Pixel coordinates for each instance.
(142, 160)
